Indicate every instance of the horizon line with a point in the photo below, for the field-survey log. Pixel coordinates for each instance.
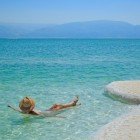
(1, 22)
(71, 38)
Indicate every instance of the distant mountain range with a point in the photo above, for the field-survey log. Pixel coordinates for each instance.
(89, 29)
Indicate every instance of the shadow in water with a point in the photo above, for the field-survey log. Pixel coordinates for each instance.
(117, 98)
(23, 119)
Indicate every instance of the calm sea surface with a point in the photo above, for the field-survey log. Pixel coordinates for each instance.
(54, 71)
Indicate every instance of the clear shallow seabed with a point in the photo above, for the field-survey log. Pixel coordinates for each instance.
(54, 71)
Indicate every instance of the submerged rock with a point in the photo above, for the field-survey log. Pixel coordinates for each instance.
(125, 90)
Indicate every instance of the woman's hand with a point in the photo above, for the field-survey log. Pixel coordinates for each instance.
(9, 106)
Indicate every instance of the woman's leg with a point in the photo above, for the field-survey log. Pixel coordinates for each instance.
(62, 106)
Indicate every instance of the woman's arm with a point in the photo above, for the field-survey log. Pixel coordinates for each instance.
(16, 109)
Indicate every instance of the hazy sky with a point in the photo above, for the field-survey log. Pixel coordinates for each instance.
(62, 11)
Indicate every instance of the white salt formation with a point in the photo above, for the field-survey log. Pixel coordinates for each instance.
(126, 127)
(123, 128)
(125, 90)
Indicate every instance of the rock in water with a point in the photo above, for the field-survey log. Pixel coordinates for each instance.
(125, 90)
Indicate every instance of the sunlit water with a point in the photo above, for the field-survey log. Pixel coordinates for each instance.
(54, 71)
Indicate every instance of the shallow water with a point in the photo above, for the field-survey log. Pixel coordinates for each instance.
(54, 71)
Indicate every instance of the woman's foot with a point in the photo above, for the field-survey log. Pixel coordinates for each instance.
(75, 100)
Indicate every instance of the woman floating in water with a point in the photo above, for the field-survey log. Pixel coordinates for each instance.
(27, 106)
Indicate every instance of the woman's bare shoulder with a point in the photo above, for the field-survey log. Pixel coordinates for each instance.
(35, 112)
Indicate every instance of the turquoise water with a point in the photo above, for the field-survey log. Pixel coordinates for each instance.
(54, 71)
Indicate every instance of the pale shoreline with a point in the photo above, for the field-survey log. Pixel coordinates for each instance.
(127, 126)
(123, 128)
